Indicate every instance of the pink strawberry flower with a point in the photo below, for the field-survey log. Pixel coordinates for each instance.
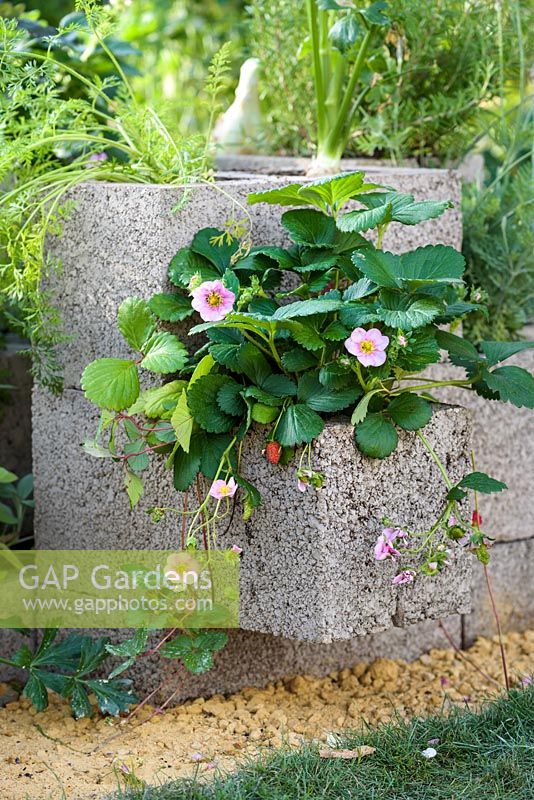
(368, 346)
(221, 489)
(384, 545)
(476, 519)
(301, 485)
(212, 300)
(406, 576)
(236, 549)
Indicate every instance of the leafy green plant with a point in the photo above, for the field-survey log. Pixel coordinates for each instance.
(425, 84)
(68, 666)
(498, 230)
(351, 335)
(51, 142)
(15, 501)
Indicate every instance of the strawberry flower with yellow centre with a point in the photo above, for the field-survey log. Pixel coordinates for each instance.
(369, 347)
(212, 300)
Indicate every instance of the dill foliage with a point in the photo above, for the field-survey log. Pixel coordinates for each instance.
(51, 141)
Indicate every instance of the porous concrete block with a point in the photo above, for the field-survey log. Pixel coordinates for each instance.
(120, 238)
(503, 442)
(308, 570)
(511, 571)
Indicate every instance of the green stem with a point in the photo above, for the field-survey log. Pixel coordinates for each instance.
(436, 459)
(318, 78)
(433, 385)
(337, 138)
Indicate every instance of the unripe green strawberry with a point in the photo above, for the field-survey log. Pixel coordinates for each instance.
(273, 451)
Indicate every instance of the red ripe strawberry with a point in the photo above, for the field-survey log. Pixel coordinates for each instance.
(273, 451)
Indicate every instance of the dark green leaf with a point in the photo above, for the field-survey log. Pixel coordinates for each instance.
(298, 424)
(513, 384)
(402, 311)
(364, 219)
(297, 359)
(500, 351)
(376, 436)
(306, 308)
(187, 465)
(230, 400)
(202, 402)
(309, 227)
(480, 482)
(410, 411)
(325, 398)
(279, 386)
(35, 691)
(461, 352)
(186, 264)
(218, 255)
(345, 32)
(112, 696)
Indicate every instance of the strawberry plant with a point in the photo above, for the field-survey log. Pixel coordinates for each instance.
(351, 332)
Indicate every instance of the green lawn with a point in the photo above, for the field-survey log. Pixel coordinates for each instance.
(485, 756)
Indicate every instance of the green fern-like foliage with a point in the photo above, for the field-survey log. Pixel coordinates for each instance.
(440, 60)
(51, 141)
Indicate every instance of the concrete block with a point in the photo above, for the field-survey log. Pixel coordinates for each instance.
(256, 659)
(308, 570)
(511, 572)
(120, 239)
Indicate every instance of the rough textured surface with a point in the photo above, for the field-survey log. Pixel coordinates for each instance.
(308, 570)
(53, 756)
(120, 239)
(503, 441)
(15, 411)
(511, 572)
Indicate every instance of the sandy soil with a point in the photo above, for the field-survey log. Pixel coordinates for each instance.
(50, 756)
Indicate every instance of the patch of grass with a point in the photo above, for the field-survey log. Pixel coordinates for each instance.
(481, 756)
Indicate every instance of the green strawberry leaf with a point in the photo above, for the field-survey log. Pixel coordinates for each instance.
(111, 383)
(376, 436)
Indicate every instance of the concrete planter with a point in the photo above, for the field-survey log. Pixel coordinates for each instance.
(311, 578)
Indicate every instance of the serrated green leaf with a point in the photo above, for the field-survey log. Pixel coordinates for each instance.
(135, 321)
(218, 255)
(164, 353)
(410, 411)
(362, 288)
(182, 421)
(186, 264)
(376, 436)
(297, 360)
(253, 364)
(361, 410)
(336, 331)
(307, 308)
(434, 262)
(325, 398)
(186, 465)
(513, 385)
(309, 227)
(336, 375)
(35, 691)
(112, 696)
(480, 482)
(305, 334)
(111, 383)
(171, 307)
(202, 402)
(402, 311)
(79, 701)
(134, 487)
(379, 266)
(286, 196)
(461, 352)
(298, 424)
(496, 352)
(159, 402)
(404, 208)
(230, 400)
(365, 219)
(279, 386)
